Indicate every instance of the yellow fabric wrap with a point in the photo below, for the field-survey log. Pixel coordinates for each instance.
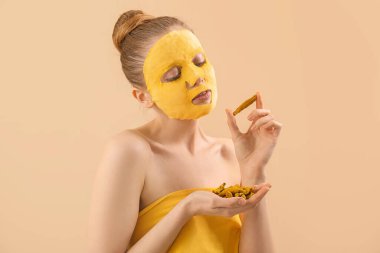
(174, 98)
(202, 233)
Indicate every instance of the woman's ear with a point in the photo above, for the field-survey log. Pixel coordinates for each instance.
(143, 97)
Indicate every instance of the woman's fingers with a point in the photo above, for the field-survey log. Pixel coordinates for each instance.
(232, 125)
(257, 113)
(263, 120)
(257, 187)
(277, 125)
(259, 100)
(255, 198)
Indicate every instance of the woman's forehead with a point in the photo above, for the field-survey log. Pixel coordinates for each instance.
(175, 45)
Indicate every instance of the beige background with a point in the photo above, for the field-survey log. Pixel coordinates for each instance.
(316, 64)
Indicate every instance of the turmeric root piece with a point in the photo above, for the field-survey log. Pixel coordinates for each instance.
(234, 191)
(219, 189)
(249, 195)
(246, 190)
(245, 104)
(223, 193)
(239, 194)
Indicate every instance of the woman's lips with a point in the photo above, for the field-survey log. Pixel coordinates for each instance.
(203, 96)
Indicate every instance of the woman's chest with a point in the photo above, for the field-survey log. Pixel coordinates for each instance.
(173, 171)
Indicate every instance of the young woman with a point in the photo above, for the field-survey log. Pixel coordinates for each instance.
(152, 191)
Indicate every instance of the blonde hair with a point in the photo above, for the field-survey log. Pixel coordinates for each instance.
(133, 35)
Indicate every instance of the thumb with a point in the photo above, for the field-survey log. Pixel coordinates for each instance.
(231, 121)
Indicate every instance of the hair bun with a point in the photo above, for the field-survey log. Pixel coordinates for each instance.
(126, 23)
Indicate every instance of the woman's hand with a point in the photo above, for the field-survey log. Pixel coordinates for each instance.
(209, 203)
(254, 147)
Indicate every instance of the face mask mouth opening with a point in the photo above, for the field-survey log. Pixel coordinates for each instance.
(202, 96)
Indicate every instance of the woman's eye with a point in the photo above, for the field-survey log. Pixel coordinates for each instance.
(172, 74)
(200, 63)
(199, 60)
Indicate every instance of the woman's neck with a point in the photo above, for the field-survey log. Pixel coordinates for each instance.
(186, 133)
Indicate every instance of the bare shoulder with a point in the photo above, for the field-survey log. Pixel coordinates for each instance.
(116, 192)
(131, 141)
(129, 149)
(125, 158)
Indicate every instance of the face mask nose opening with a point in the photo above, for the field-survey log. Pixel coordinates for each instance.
(198, 82)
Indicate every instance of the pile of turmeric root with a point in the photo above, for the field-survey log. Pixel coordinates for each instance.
(234, 191)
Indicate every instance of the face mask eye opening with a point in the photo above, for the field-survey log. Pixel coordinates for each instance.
(200, 64)
(199, 60)
(165, 79)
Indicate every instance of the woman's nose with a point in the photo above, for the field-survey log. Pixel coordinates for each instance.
(198, 82)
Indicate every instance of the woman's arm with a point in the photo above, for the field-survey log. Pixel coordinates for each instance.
(115, 201)
(255, 234)
(116, 193)
(255, 146)
(162, 235)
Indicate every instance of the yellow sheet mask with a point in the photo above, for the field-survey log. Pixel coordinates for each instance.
(174, 97)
